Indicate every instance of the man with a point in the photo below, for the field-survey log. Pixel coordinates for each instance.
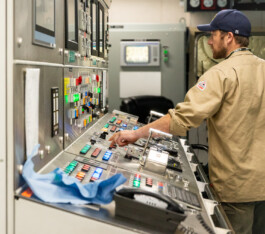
(231, 96)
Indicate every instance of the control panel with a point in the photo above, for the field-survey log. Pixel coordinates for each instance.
(184, 184)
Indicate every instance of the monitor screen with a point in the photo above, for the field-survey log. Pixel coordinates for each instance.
(137, 54)
(44, 23)
(71, 21)
(45, 14)
(94, 24)
(101, 30)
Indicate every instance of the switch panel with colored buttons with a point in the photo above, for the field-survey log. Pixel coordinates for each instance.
(83, 97)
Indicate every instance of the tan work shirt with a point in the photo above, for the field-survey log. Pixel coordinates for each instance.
(231, 95)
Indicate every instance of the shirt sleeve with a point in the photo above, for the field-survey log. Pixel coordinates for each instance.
(201, 102)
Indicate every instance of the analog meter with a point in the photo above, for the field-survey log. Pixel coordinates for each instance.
(194, 3)
(221, 3)
(208, 3)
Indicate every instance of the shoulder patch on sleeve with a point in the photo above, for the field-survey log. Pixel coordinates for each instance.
(201, 85)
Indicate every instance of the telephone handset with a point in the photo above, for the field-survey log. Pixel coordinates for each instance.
(171, 204)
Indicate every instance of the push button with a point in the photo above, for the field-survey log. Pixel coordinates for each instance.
(113, 120)
(112, 146)
(113, 129)
(119, 122)
(96, 174)
(137, 180)
(86, 168)
(85, 149)
(149, 182)
(96, 152)
(135, 127)
(107, 156)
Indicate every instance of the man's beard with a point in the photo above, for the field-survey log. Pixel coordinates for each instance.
(220, 53)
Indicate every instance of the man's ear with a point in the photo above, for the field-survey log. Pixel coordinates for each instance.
(230, 37)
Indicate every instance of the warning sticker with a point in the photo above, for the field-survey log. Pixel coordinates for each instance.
(201, 85)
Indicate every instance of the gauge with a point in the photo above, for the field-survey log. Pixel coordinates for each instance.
(194, 3)
(221, 3)
(208, 3)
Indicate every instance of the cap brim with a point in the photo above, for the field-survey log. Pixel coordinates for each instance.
(205, 27)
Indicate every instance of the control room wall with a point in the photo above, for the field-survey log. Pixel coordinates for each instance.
(167, 12)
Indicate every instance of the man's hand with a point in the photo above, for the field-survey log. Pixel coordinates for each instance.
(125, 137)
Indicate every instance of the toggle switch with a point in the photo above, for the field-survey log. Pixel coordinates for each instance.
(186, 183)
(19, 41)
(41, 154)
(48, 149)
(66, 136)
(20, 169)
(61, 139)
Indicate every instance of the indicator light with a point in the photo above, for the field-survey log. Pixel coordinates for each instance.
(66, 97)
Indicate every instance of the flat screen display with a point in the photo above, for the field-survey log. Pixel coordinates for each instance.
(45, 14)
(137, 54)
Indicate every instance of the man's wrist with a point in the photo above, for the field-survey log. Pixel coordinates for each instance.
(138, 133)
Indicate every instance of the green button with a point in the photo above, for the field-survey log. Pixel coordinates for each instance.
(66, 98)
(113, 119)
(83, 151)
(76, 97)
(166, 59)
(136, 183)
(165, 51)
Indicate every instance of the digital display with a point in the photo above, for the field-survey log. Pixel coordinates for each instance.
(45, 14)
(137, 54)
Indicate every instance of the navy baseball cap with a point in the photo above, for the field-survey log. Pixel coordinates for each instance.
(229, 21)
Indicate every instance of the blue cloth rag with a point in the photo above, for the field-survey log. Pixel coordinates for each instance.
(58, 187)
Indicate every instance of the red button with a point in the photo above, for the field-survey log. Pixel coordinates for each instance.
(80, 79)
(96, 152)
(118, 121)
(113, 129)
